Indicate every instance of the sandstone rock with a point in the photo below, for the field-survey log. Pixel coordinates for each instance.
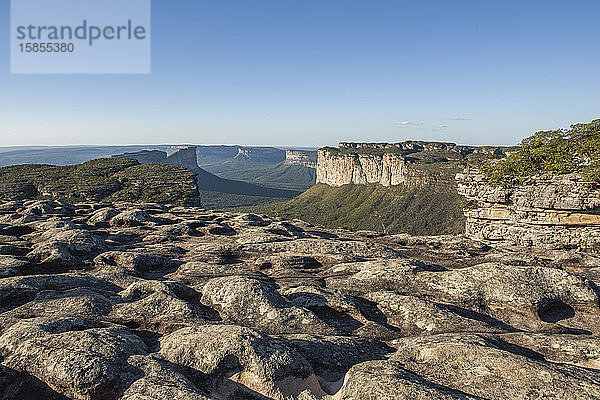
(472, 364)
(66, 248)
(102, 216)
(552, 211)
(11, 266)
(160, 383)
(580, 350)
(346, 250)
(253, 303)
(77, 303)
(418, 317)
(332, 356)
(136, 262)
(159, 306)
(135, 217)
(79, 359)
(390, 380)
(236, 359)
(353, 315)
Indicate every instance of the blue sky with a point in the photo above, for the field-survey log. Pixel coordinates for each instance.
(316, 72)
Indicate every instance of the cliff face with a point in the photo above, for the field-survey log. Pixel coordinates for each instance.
(268, 155)
(299, 157)
(551, 211)
(341, 169)
(413, 164)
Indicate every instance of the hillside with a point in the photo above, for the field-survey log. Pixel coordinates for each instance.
(281, 175)
(104, 179)
(400, 209)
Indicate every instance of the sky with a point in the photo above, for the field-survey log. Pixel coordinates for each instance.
(317, 72)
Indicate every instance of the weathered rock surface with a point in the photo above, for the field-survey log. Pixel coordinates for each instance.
(147, 301)
(552, 211)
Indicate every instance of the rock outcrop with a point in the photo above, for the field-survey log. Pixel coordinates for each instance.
(107, 301)
(551, 211)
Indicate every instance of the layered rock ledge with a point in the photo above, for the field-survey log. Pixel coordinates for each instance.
(147, 301)
(552, 211)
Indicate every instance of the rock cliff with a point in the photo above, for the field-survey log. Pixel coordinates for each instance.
(300, 157)
(552, 211)
(407, 163)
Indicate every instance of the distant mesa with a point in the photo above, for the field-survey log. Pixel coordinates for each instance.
(184, 156)
(300, 157)
(389, 164)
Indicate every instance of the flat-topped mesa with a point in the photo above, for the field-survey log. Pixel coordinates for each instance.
(548, 211)
(411, 163)
(301, 157)
(260, 154)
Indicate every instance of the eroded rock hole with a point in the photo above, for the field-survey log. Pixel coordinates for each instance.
(555, 310)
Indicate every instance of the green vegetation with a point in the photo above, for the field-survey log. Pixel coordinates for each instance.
(237, 202)
(560, 151)
(98, 180)
(418, 211)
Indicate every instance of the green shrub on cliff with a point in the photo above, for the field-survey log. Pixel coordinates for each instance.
(560, 151)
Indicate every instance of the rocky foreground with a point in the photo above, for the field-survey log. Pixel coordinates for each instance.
(117, 301)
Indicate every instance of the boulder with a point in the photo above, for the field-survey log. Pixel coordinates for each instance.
(236, 359)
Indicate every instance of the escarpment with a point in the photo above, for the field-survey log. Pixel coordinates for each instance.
(412, 164)
(405, 187)
(547, 210)
(300, 157)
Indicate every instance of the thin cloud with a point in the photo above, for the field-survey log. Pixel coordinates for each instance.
(440, 128)
(460, 119)
(407, 124)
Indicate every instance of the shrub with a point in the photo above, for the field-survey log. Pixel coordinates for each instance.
(560, 151)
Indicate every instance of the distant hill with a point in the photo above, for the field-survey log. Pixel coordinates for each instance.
(265, 166)
(280, 175)
(105, 179)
